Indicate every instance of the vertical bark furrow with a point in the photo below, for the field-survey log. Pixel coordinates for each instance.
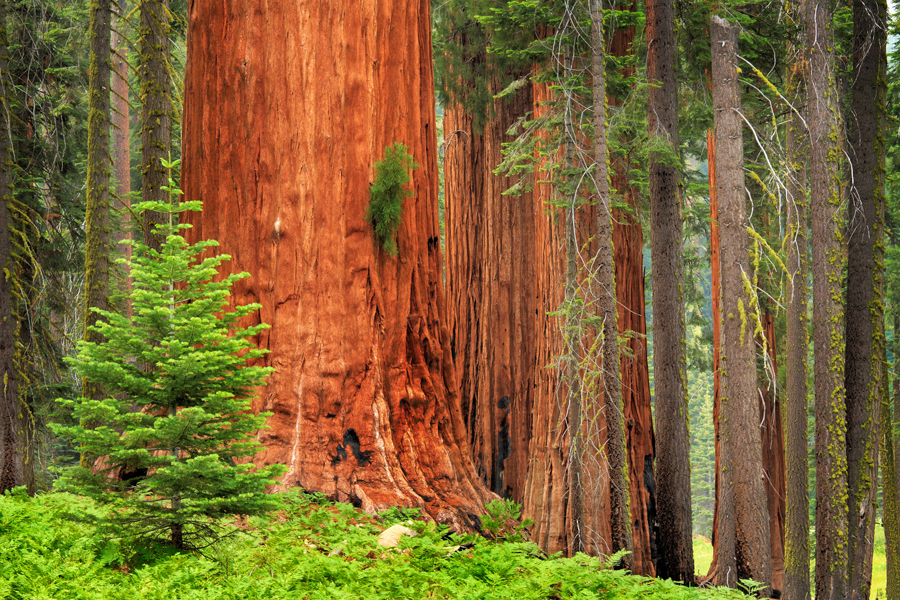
(491, 291)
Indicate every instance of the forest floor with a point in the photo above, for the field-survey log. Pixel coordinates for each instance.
(703, 557)
(52, 546)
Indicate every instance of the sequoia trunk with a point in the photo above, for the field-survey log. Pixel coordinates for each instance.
(287, 108)
(628, 245)
(491, 280)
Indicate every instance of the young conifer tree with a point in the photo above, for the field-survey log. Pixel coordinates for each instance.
(171, 438)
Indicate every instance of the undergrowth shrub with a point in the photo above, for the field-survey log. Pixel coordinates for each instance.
(309, 549)
(392, 174)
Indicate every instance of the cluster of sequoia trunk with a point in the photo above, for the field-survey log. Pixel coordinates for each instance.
(375, 399)
(366, 402)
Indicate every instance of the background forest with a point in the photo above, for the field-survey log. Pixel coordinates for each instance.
(622, 303)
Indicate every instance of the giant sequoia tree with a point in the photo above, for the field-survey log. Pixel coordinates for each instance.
(287, 108)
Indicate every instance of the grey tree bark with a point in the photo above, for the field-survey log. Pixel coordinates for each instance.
(826, 199)
(673, 475)
(739, 418)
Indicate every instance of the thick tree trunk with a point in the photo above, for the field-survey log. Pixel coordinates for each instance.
(287, 108)
(676, 556)
(796, 550)
(628, 245)
(604, 265)
(491, 280)
(741, 474)
(98, 263)
(828, 311)
(156, 110)
(547, 500)
(12, 472)
(866, 349)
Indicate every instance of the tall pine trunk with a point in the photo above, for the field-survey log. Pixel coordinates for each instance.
(826, 199)
(866, 350)
(796, 545)
(121, 111)
(604, 265)
(741, 474)
(98, 263)
(287, 108)
(156, 109)
(12, 467)
(673, 476)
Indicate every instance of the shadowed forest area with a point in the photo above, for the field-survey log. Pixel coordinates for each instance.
(563, 288)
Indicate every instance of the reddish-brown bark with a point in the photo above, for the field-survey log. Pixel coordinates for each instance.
(287, 108)
(547, 500)
(628, 243)
(716, 282)
(773, 452)
(490, 240)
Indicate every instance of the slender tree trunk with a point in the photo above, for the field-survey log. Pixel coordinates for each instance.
(673, 473)
(156, 109)
(628, 246)
(11, 434)
(866, 349)
(741, 475)
(828, 311)
(889, 474)
(491, 289)
(97, 258)
(620, 517)
(716, 300)
(571, 364)
(365, 398)
(796, 547)
(121, 136)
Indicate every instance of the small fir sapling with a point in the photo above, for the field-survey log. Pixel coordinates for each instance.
(174, 431)
(387, 193)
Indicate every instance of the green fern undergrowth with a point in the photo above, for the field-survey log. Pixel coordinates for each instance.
(312, 548)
